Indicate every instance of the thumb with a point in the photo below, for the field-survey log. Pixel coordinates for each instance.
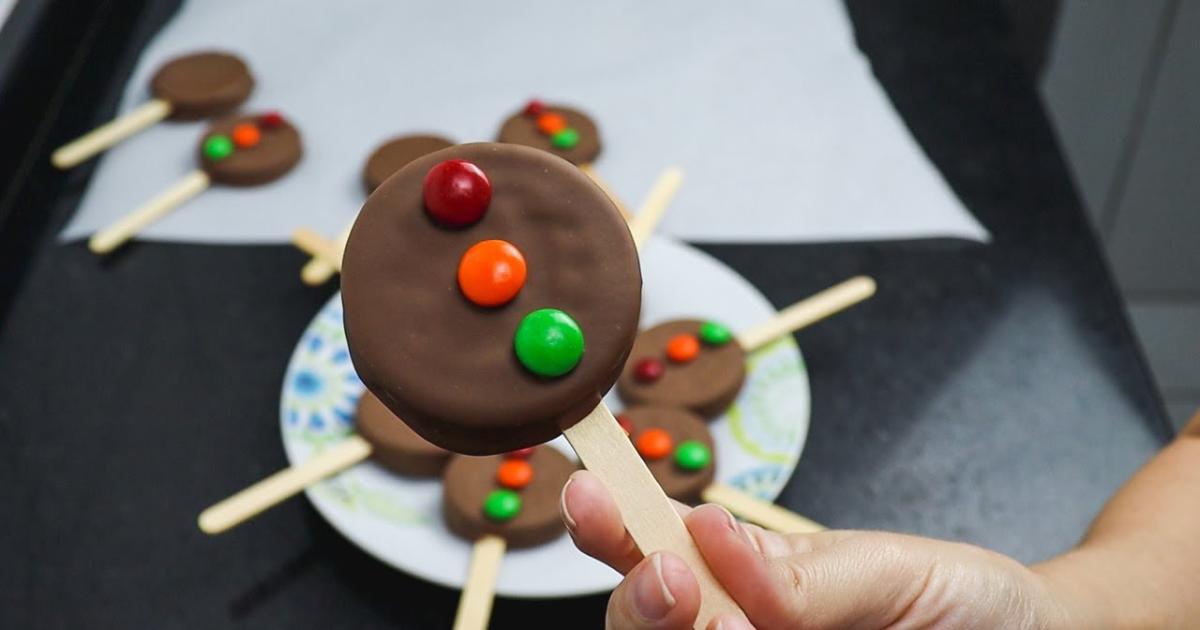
(825, 580)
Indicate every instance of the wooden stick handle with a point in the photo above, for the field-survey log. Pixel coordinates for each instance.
(757, 511)
(479, 590)
(655, 205)
(595, 177)
(282, 485)
(808, 311)
(115, 235)
(110, 133)
(649, 516)
(316, 245)
(319, 269)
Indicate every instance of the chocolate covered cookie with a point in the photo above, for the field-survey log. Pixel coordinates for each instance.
(394, 154)
(676, 446)
(250, 150)
(203, 85)
(514, 496)
(563, 131)
(393, 444)
(686, 363)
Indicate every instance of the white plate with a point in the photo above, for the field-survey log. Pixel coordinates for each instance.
(397, 519)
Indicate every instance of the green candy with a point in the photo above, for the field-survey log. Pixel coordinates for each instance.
(548, 342)
(502, 505)
(218, 147)
(565, 138)
(692, 455)
(715, 334)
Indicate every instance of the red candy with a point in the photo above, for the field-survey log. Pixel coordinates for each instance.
(648, 370)
(457, 193)
(534, 107)
(271, 120)
(626, 425)
(523, 453)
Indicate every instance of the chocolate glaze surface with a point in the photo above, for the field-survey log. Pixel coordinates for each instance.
(679, 484)
(468, 480)
(392, 155)
(275, 154)
(395, 445)
(521, 129)
(202, 85)
(706, 385)
(446, 366)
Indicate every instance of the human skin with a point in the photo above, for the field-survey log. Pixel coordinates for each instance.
(1137, 567)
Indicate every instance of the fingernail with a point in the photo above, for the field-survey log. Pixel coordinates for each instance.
(651, 597)
(733, 621)
(730, 521)
(562, 505)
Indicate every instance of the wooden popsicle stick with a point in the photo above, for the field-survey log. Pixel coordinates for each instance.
(757, 511)
(283, 484)
(595, 177)
(649, 516)
(479, 589)
(316, 245)
(808, 311)
(655, 205)
(319, 270)
(110, 133)
(113, 236)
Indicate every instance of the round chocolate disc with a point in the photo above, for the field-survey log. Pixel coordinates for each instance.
(682, 426)
(277, 150)
(469, 480)
(393, 444)
(521, 128)
(446, 365)
(707, 384)
(202, 85)
(392, 155)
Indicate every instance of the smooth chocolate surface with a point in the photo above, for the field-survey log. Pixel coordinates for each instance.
(203, 85)
(706, 385)
(276, 153)
(394, 444)
(682, 425)
(522, 129)
(468, 481)
(446, 366)
(394, 154)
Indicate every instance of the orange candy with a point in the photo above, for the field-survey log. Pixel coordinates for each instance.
(683, 348)
(551, 124)
(514, 473)
(654, 444)
(246, 135)
(491, 273)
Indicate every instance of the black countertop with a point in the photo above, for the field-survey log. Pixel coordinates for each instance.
(989, 393)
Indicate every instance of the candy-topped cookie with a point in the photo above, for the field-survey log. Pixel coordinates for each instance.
(563, 131)
(676, 446)
(491, 296)
(692, 364)
(514, 495)
(250, 150)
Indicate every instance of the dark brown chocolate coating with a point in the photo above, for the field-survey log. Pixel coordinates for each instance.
(202, 85)
(394, 445)
(468, 481)
(679, 484)
(276, 153)
(392, 155)
(446, 366)
(521, 128)
(706, 385)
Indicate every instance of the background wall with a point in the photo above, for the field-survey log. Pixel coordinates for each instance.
(1121, 82)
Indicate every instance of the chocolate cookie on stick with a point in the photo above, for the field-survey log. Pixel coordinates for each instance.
(385, 160)
(491, 296)
(380, 436)
(191, 87)
(679, 450)
(239, 151)
(701, 365)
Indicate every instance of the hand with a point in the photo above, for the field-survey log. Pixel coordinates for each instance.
(835, 579)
